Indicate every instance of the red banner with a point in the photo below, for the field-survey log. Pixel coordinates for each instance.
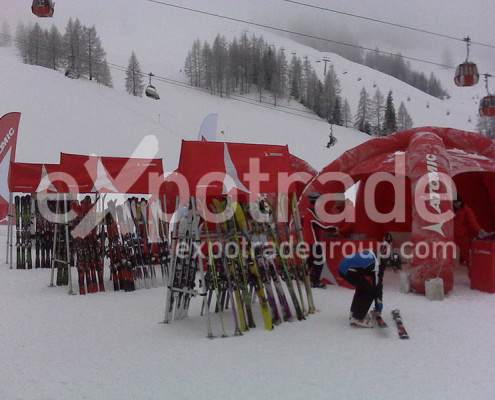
(9, 127)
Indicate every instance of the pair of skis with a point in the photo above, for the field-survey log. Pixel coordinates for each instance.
(396, 315)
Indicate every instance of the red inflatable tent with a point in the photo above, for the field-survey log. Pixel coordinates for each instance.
(419, 154)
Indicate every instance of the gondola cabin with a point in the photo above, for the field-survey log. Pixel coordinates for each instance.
(43, 8)
(466, 74)
(152, 93)
(487, 106)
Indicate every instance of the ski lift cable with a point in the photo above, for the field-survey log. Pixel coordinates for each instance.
(389, 23)
(307, 35)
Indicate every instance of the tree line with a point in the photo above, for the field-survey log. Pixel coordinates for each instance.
(377, 115)
(78, 52)
(396, 66)
(247, 64)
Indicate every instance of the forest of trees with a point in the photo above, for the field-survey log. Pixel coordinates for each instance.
(78, 51)
(395, 66)
(248, 64)
(377, 115)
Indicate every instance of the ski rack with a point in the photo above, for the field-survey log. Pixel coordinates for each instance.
(65, 225)
(183, 267)
(263, 275)
(10, 245)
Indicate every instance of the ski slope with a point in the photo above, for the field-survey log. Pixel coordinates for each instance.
(162, 36)
(79, 116)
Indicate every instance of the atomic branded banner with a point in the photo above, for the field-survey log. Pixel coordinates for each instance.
(9, 126)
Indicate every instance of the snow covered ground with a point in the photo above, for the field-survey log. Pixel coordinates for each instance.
(112, 346)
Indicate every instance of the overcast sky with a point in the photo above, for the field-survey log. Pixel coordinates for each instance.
(453, 17)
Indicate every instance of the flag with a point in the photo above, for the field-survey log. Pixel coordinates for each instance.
(208, 129)
(9, 126)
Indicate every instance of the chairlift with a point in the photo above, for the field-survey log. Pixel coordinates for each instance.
(151, 90)
(332, 140)
(467, 73)
(43, 8)
(487, 104)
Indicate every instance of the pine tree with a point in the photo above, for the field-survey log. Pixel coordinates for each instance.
(330, 93)
(134, 83)
(404, 120)
(220, 66)
(363, 114)
(295, 77)
(279, 76)
(196, 63)
(55, 48)
(35, 45)
(377, 105)
(22, 41)
(103, 75)
(74, 49)
(337, 117)
(346, 114)
(188, 68)
(93, 55)
(307, 75)
(206, 57)
(390, 122)
(5, 35)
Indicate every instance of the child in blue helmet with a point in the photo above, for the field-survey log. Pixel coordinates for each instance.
(364, 271)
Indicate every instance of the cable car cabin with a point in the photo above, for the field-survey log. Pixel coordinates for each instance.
(43, 8)
(467, 74)
(152, 93)
(487, 106)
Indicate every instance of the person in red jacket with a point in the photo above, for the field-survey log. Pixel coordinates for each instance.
(466, 228)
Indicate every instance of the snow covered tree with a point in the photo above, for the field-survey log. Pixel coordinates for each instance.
(220, 66)
(363, 114)
(36, 49)
(295, 77)
(194, 64)
(346, 114)
(5, 35)
(337, 117)
(21, 41)
(330, 93)
(103, 74)
(93, 54)
(307, 75)
(73, 41)
(279, 76)
(54, 48)
(404, 120)
(377, 108)
(390, 122)
(206, 57)
(134, 83)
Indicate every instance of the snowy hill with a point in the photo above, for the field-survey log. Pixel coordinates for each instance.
(59, 114)
(161, 36)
